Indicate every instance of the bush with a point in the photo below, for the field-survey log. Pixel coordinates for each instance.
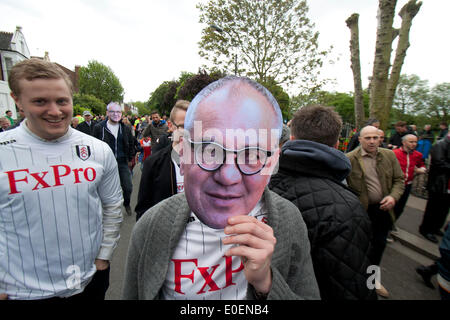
(89, 102)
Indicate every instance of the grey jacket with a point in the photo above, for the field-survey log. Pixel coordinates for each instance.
(156, 235)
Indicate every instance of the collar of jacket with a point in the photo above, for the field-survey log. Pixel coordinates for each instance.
(312, 158)
(159, 124)
(104, 122)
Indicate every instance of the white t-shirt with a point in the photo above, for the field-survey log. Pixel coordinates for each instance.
(113, 127)
(179, 177)
(52, 226)
(199, 270)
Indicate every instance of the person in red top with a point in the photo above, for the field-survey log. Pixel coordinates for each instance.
(146, 146)
(411, 162)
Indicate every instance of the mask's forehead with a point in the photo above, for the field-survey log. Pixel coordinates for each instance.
(235, 119)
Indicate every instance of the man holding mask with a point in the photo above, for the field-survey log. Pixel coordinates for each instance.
(227, 236)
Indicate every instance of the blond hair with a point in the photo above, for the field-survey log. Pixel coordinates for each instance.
(32, 69)
(182, 105)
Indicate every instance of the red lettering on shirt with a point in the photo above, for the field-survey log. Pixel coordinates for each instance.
(229, 270)
(208, 276)
(208, 279)
(57, 175)
(178, 274)
(13, 181)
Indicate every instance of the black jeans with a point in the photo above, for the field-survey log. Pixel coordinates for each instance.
(95, 290)
(381, 224)
(125, 180)
(400, 205)
(436, 212)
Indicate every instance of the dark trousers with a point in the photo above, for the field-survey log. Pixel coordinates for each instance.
(436, 212)
(125, 181)
(95, 290)
(401, 203)
(381, 224)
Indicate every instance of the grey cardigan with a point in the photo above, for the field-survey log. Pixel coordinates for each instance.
(156, 235)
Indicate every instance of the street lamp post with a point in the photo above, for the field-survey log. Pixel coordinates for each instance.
(218, 29)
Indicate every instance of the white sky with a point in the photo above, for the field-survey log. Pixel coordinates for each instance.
(148, 42)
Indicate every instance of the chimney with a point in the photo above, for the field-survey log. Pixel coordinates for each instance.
(77, 78)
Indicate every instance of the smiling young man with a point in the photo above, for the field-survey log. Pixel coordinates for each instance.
(59, 195)
(227, 236)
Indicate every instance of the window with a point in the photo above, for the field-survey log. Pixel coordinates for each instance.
(9, 65)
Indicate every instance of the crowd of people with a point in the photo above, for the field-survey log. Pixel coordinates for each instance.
(232, 203)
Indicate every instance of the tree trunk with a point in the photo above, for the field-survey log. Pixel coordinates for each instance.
(352, 23)
(407, 13)
(382, 61)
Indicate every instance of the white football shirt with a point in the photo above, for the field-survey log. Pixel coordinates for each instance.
(179, 177)
(52, 225)
(199, 270)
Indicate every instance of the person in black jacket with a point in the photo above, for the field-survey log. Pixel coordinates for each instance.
(161, 176)
(444, 130)
(354, 141)
(87, 126)
(438, 186)
(119, 137)
(310, 175)
(401, 130)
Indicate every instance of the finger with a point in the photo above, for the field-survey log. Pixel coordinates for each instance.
(249, 254)
(247, 240)
(251, 228)
(248, 219)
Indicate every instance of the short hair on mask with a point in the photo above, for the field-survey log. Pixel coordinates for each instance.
(208, 90)
(34, 68)
(113, 104)
(317, 123)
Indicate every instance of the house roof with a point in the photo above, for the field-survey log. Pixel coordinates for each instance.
(5, 40)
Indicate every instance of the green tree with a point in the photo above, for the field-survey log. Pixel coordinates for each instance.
(89, 102)
(100, 81)
(262, 40)
(280, 95)
(194, 84)
(412, 94)
(142, 108)
(185, 76)
(343, 103)
(163, 98)
(439, 103)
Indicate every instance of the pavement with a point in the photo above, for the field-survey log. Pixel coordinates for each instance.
(400, 259)
(408, 229)
(409, 250)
